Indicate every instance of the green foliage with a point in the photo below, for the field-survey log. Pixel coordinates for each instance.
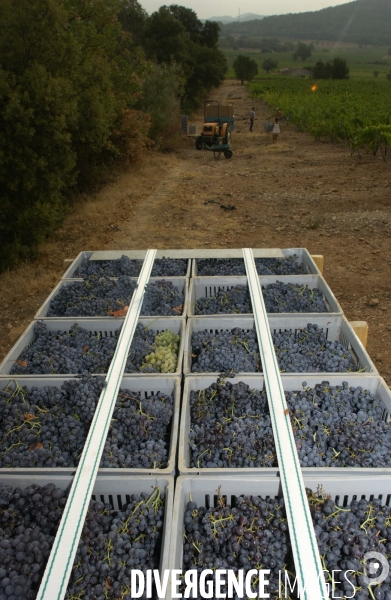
(269, 64)
(302, 51)
(355, 112)
(361, 22)
(133, 19)
(206, 67)
(389, 76)
(228, 42)
(245, 68)
(337, 69)
(161, 92)
(361, 61)
(340, 69)
(67, 76)
(78, 95)
(210, 34)
(322, 70)
(174, 35)
(264, 44)
(242, 41)
(165, 38)
(188, 18)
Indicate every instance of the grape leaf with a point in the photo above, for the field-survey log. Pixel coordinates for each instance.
(119, 313)
(37, 446)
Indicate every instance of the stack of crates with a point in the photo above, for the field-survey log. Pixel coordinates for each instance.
(185, 124)
(179, 480)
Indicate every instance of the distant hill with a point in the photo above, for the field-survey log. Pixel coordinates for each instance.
(242, 18)
(361, 22)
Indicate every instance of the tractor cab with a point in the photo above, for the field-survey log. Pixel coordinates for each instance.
(211, 133)
(218, 122)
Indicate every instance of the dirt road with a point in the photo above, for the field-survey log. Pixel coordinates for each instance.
(296, 193)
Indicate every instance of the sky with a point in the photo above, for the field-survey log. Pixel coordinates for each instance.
(220, 8)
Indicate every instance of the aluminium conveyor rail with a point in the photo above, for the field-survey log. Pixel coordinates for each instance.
(309, 570)
(60, 563)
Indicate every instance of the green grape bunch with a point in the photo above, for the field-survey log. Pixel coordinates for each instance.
(164, 358)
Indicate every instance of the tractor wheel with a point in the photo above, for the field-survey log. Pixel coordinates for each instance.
(228, 153)
(199, 143)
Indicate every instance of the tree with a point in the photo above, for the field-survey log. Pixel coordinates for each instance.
(189, 20)
(245, 68)
(133, 19)
(302, 51)
(210, 34)
(340, 69)
(269, 64)
(68, 80)
(206, 68)
(174, 35)
(165, 38)
(322, 70)
(241, 43)
(231, 42)
(162, 89)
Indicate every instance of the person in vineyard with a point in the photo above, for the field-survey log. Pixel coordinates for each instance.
(278, 114)
(276, 130)
(252, 117)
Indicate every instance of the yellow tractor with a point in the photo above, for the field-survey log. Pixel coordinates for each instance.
(216, 130)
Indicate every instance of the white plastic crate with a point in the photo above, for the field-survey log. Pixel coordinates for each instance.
(201, 287)
(83, 258)
(114, 490)
(181, 283)
(200, 382)
(203, 490)
(304, 258)
(374, 384)
(335, 328)
(145, 385)
(103, 327)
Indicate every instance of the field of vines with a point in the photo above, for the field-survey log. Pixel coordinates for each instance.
(355, 112)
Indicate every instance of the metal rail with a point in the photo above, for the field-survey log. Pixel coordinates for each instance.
(187, 253)
(58, 570)
(309, 570)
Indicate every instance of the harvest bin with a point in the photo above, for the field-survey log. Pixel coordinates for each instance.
(83, 258)
(335, 328)
(143, 384)
(114, 490)
(181, 283)
(374, 384)
(203, 490)
(104, 327)
(304, 258)
(201, 287)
